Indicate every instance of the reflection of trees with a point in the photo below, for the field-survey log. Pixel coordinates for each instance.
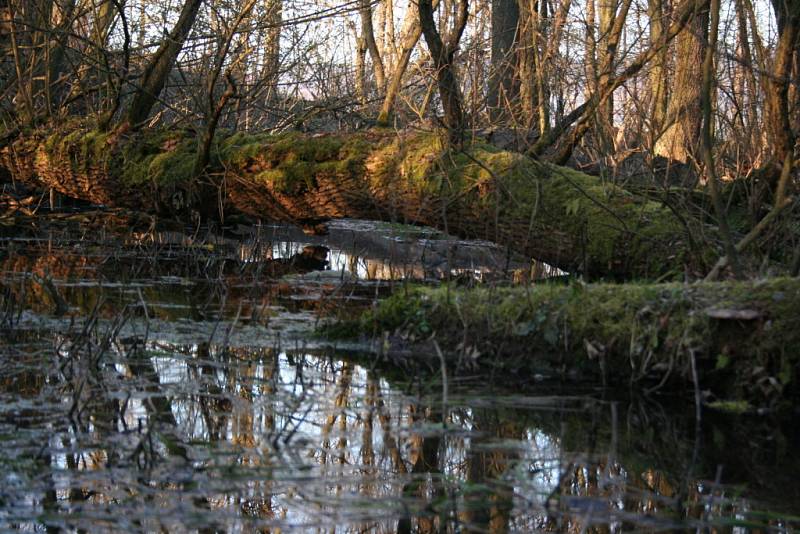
(487, 467)
(215, 407)
(389, 440)
(426, 480)
(158, 406)
(248, 430)
(216, 275)
(338, 412)
(367, 453)
(617, 463)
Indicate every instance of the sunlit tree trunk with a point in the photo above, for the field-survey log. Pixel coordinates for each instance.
(272, 48)
(590, 50)
(412, 31)
(361, 65)
(658, 66)
(368, 35)
(527, 54)
(607, 42)
(557, 215)
(540, 69)
(390, 51)
(777, 104)
(680, 140)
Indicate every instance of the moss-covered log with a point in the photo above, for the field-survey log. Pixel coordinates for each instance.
(555, 214)
(744, 337)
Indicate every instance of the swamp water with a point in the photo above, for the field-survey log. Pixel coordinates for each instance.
(172, 381)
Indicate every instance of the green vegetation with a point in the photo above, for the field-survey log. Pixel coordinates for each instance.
(290, 163)
(152, 163)
(744, 337)
(83, 148)
(617, 230)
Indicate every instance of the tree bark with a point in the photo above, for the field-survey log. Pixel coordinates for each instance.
(553, 214)
(503, 90)
(272, 49)
(680, 140)
(607, 10)
(706, 99)
(527, 61)
(658, 68)
(442, 54)
(157, 70)
(368, 34)
(412, 33)
(610, 81)
(777, 106)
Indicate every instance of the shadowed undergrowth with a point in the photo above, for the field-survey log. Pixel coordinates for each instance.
(743, 337)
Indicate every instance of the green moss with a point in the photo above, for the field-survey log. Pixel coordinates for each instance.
(84, 148)
(94, 144)
(239, 148)
(735, 407)
(165, 158)
(612, 225)
(610, 218)
(174, 166)
(411, 160)
(629, 331)
(291, 162)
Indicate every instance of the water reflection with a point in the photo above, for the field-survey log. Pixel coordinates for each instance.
(148, 435)
(70, 269)
(180, 391)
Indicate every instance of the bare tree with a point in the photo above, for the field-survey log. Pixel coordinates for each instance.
(442, 53)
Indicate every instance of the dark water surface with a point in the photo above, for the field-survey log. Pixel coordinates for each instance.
(171, 381)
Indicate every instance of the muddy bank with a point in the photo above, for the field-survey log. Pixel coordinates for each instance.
(729, 341)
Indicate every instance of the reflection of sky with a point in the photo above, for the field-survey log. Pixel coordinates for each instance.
(294, 448)
(405, 267)
(327, 444)
(294, 444)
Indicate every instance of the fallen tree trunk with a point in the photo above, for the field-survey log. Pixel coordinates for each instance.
(731, 340)
(554, 214)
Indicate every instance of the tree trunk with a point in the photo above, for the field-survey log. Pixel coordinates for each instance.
(272, 49)
(361, 73)
(609, 81)
(554, 214)
(777, 106)
(442, 54)
(681, 138)
(607, 10)
(658, 68)
(527, 57)
(541, 70)
(157, 70)
(411, 34)
(706, 99)
(368, 34)
(503, 90)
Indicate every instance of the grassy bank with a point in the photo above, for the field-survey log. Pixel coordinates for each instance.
(742, 339)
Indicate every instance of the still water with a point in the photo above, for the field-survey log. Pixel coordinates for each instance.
(172, 381)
